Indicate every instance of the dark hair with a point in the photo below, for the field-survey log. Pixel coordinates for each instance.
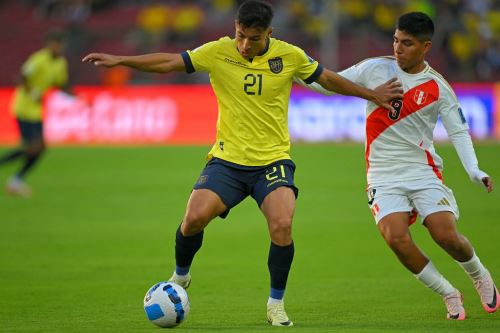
(255, 14)
(55, 35)
(417, 24)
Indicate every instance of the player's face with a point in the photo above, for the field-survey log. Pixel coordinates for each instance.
(251, 41)
(56, 47)
(410, 51)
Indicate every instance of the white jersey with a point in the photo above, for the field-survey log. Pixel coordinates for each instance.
(400, 146)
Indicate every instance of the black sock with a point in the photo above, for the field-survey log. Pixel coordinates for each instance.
(11, 156)
(186, 247)
(279, 264)
(28, 164)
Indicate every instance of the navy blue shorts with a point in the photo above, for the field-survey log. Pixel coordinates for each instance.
(234, 182)
(31, 131)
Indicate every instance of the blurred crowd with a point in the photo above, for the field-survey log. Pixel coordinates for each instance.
(338, 33)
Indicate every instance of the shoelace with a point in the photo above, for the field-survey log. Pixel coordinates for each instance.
(485, 288)
(454, 303)
(279, 313)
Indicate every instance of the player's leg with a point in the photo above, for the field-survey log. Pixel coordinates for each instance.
(394, 228)
(275, 193)
(33, 152)
(11, 155)
(203, 206)
(215, 192)
(442, 227)
(33, 147)
(16, 153)
(394, 211)
(278, 208)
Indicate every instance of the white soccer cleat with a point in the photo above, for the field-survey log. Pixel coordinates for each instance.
(488, 293)
(276, 315)
(455, 305)
(16, 187)
(182, 280)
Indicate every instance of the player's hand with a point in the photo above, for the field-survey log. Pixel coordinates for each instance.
(388, 91)
(488, 183)
(102, 59)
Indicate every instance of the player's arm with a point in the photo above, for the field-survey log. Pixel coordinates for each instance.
(382, 95)
(457, 129)
(24, 81)
(153, 62)
(463, 145)
(314, 86)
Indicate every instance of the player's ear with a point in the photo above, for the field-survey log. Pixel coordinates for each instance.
(236, 24)
(427, 46)
(270, 32)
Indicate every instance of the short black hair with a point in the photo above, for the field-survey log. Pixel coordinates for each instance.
(55, 35)
(417, 24)
(255, 14)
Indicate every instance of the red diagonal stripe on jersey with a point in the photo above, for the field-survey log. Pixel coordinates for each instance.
(430, 162)
(379, 120)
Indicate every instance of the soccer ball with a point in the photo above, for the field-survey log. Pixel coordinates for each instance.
(166, 304)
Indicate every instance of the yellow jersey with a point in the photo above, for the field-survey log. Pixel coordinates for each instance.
(41, 71)
(252, 97)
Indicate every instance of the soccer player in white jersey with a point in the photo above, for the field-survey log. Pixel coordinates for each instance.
(252, 76)
(403, 169)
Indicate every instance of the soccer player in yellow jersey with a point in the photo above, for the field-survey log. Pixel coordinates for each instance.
(252, 76)
(44, 69)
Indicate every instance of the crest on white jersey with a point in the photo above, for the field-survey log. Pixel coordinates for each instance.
(420, 97)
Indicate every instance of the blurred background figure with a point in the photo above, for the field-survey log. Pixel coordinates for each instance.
(336, 32)
(44, 69)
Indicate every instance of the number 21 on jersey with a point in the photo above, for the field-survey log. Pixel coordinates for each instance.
(253, 84)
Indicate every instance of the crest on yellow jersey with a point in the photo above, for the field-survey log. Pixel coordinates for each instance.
(276, 65)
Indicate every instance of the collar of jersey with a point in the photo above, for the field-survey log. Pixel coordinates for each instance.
(268, 44)
(426, 68)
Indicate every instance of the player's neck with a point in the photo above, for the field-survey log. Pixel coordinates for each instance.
(416, 69)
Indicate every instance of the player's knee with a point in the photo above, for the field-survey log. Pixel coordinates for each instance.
(399, 241)
(280, 226)
(34, 149)
(448, 240)
(194, 222)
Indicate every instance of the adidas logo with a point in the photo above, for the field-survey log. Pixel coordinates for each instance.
(444, 202)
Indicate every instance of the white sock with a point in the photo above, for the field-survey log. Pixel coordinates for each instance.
(271, 300)
(474, 268)
(434, 280)
(181, 277)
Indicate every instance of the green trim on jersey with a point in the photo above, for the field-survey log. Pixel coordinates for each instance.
(252, 126)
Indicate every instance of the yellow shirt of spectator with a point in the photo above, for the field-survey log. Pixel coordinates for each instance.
(252, 125)
(41, 72)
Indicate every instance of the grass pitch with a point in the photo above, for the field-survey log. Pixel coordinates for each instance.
(80, 254)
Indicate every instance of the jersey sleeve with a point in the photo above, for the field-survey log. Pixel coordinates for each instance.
(200, 59)
(31, 65)
(314, 86)
(62, 76)
(307, 69)
(357, 73)
(353, 73)
(451, 113)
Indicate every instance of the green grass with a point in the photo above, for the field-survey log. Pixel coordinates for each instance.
(80, 254)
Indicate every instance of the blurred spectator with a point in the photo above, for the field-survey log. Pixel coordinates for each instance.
(466, 42)
(153, 23)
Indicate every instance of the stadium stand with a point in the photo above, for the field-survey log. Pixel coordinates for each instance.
(466, 45)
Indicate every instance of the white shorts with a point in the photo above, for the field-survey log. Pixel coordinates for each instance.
(422, 197)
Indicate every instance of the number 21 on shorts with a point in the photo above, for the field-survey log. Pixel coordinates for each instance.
(275, 172)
